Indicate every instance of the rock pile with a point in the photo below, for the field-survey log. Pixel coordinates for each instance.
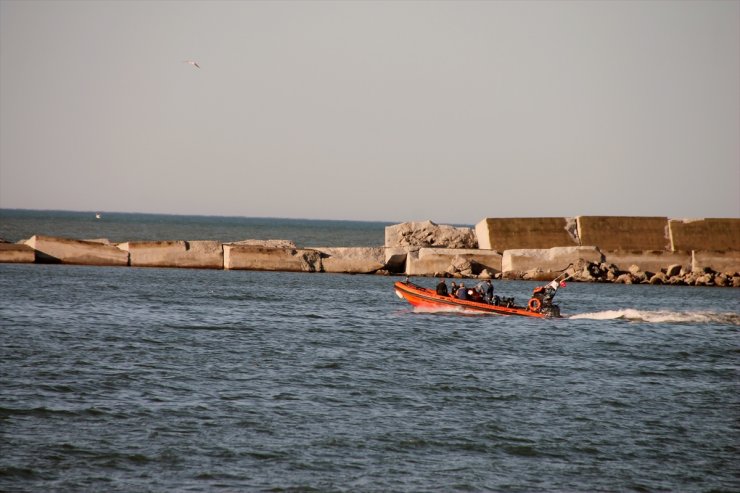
(452, 262)
(429, 234)
(461, 267)
(675, 275)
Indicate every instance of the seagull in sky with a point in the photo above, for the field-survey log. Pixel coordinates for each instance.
(192, 62)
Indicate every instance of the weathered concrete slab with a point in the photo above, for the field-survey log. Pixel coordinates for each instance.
(624, 233)
(15, 253)
(723, 262)
(351, 260)
(245, 257)
(50, 249)
(429, 234)
(183, 254)
(526, 233)
(395, 259)
(428, 261)
(266, 243)
(647, 261)
(516, 262)
(705, 234)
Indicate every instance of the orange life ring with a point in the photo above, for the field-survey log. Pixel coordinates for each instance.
(534, 304)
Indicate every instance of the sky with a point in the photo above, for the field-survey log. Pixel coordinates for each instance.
(381, 111)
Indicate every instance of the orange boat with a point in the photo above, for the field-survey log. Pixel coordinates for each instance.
(539, 305)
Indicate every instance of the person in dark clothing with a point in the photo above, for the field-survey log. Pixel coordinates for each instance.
(453, 289)
(442, 288)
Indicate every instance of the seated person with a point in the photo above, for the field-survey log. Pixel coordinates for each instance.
(453, 289)
(462, 292)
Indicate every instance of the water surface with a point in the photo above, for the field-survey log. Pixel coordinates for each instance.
(127, 379)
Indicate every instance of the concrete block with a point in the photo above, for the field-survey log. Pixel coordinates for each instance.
(395, 259)
(722, 262)
(351, 260)
(241, 257)
(266, 243)
(705, 234)
(183, 254)
(549, 260)
(624, 233)
(526, 233)
(15, 253)
(50, 249)
(428, 261)
(647, 260)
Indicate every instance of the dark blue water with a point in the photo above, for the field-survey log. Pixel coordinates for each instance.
(18, 224)
(125, 379)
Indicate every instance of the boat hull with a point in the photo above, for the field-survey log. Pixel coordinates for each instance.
(428, 299)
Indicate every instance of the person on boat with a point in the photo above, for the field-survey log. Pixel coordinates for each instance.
(462, 292)
(442, 288)
(486, 290)
(474, 295)
(453, 289)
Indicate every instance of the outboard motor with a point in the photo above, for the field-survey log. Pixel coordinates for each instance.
(551, 311)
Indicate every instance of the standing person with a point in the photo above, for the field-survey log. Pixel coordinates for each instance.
(442, 288)
(486, 290)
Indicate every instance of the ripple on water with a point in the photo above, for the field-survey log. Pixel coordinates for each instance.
(164, 388)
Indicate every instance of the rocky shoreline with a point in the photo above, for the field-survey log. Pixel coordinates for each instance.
(674, 275)
(422, 249)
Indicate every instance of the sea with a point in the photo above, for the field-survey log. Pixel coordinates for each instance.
(122, 379)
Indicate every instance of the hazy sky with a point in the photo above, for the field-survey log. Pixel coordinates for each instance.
(392, 111)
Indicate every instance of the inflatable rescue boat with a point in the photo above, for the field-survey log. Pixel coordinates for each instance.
(539, 304)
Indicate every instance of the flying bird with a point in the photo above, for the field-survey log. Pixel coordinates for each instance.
(193, 63)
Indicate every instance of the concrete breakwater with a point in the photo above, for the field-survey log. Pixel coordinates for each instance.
(267, 255)
(626, 250)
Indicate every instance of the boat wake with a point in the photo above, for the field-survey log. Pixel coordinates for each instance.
(662, 316)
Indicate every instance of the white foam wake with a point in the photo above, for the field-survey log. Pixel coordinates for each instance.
(662, 316)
